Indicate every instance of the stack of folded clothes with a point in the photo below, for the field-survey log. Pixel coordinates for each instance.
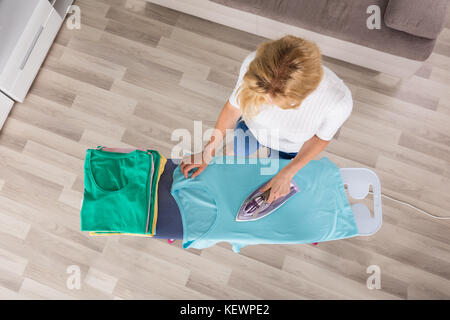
(120, 191)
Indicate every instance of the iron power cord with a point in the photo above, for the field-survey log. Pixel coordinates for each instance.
(414, 207)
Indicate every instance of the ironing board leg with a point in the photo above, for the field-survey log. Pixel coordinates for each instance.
(169, 241)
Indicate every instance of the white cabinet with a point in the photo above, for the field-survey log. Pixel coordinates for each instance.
(5, 106)
(27, 30)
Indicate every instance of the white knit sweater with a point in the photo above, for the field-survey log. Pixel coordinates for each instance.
(322, 113)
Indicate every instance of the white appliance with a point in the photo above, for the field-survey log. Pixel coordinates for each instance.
(27, 30)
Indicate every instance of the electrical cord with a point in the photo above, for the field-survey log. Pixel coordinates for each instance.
(414, 207)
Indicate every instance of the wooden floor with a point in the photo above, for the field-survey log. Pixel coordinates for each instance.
(133, 74)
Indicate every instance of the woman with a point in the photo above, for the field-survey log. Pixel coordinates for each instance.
(285, 100)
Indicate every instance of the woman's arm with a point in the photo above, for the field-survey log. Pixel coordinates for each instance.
(226, 120)
(280, 183)
(308, 152)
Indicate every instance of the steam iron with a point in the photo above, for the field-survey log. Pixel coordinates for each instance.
(255, 206)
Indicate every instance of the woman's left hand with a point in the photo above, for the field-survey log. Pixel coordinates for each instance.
(280, 185)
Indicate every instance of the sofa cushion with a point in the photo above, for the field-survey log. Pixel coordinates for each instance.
(417, 17)
(341, 19)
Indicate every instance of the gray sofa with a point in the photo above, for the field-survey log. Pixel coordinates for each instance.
(409, 28)
(406, 37)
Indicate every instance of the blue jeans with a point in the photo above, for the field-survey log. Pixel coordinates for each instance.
(246, 144)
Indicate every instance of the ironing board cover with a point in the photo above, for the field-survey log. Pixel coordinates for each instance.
(209, 203)
(169, 224)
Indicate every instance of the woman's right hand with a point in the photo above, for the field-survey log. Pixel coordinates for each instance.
(226, 120)
(197, 161)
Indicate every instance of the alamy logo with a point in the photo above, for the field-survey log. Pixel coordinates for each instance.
(186, 140)
(74, 278)
(73, 17)
(374, 20)
(374, 280)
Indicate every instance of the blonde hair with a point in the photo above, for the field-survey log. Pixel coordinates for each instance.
(287, 69)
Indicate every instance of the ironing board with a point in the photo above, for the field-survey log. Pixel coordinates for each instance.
(356, 180)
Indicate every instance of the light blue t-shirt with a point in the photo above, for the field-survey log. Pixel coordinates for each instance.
(209, 203)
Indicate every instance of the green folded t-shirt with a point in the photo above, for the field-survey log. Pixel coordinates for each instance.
(119, 191)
